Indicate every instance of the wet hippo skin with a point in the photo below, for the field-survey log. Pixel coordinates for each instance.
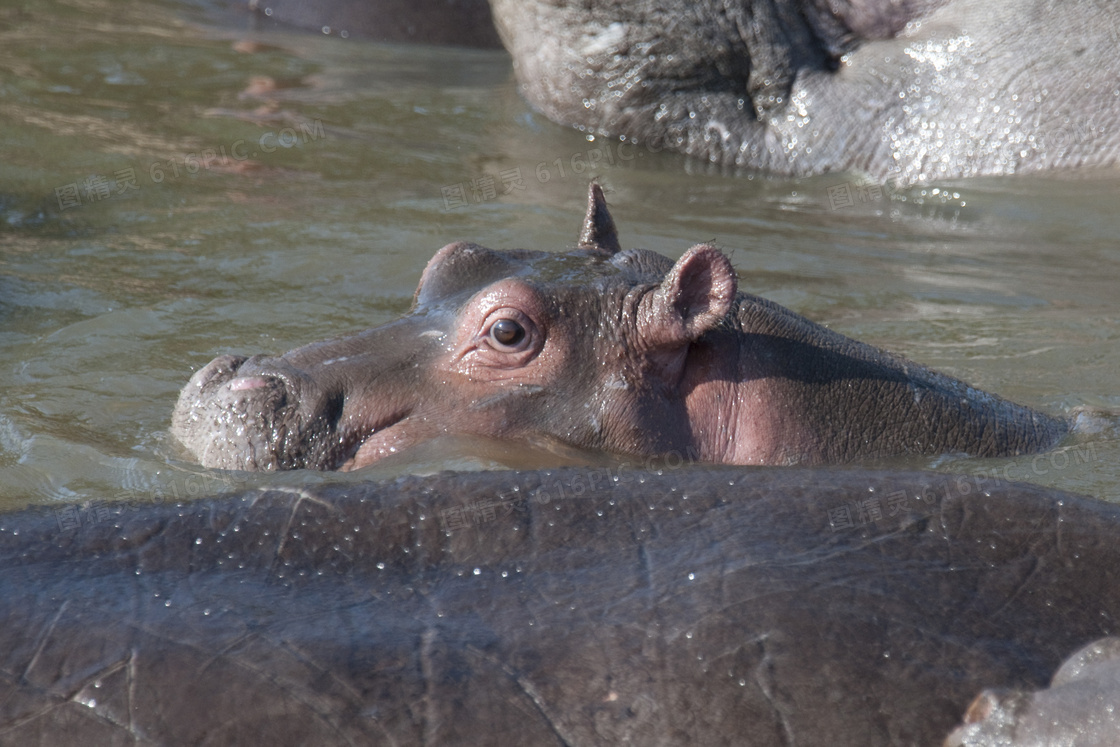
(702, 606)
(596, 348)
(903, 90)
(906, 90)
(1081, 707)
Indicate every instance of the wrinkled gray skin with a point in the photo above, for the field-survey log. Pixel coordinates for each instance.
(618, 351)
(910, 90)
(703, 606)
(1081, 708)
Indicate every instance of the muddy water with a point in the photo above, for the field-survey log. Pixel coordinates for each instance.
(174, 186)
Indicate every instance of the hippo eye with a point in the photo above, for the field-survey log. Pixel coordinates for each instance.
(507, 338)
(507, 333)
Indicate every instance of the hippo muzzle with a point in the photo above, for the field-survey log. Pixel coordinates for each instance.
(310, 408)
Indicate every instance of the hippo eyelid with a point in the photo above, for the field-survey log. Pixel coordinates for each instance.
(486, 349)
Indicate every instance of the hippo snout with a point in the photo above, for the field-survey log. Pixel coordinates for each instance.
(234, 377)
(256, 413)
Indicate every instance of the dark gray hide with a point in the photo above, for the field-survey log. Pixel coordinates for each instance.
(703, 606)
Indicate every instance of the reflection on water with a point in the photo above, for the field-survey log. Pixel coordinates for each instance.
(172, 189)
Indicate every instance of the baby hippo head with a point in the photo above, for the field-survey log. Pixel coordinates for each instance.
(586, 347)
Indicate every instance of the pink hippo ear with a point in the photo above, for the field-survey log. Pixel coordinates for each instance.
(693, 298)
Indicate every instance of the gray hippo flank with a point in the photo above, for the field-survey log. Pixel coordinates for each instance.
(902, 90)
(905, 90)
(701, 606)
(598, 348)
(1081, 707)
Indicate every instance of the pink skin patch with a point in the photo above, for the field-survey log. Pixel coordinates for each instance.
(247, 382)
(382, 443)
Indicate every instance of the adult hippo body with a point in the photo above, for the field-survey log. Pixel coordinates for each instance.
(1081, 707)
(904, 90)
(908, 91)
(699, 606)
(597, 348)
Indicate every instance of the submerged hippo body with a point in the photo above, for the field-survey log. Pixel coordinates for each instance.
(598, 348)
(900, 89)
(1081, 707)
(701, 606)
(906, 90)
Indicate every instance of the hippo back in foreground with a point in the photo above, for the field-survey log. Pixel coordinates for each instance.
(714, 606)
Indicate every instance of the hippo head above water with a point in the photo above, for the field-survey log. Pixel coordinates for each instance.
(600, 348)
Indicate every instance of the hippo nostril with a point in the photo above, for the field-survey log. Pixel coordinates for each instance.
(260, 371)
(221, 367)
(248, 382)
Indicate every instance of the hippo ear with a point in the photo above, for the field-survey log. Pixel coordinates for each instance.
(693, 298)
(598, 234)
(457, 268)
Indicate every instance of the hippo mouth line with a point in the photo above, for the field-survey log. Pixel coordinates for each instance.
(381, 439)
(341, 435)
(376, 441)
